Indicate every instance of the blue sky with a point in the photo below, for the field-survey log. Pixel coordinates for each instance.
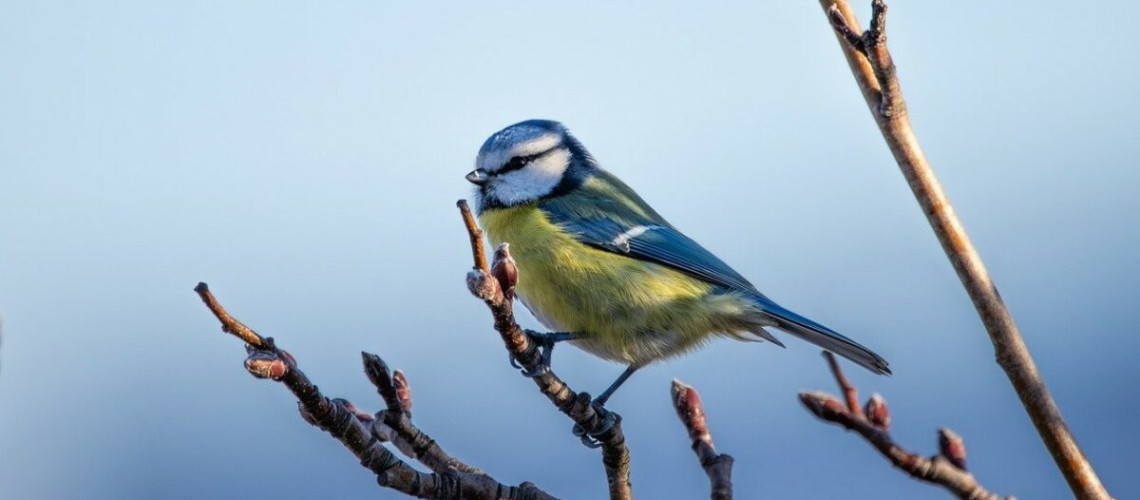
(304, 159)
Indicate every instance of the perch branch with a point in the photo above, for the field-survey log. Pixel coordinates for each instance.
(364, 434)
(874, 71)
(394, 424)
(718, 467)
(947, 469)
(603, 426)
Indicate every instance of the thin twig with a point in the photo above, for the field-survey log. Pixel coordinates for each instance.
(946, 469)
(229, 324)
(718, 467)
(604, 427)
(357, 431)
(477, 251)
(874, 71)
(412, 441)
(849, 390)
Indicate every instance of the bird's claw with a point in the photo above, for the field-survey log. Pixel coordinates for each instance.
(538, 371)
(545, 343)
(591, 439)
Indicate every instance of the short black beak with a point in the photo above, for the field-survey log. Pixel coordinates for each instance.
(477, 177)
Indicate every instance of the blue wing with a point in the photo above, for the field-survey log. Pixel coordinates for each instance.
(604, 213)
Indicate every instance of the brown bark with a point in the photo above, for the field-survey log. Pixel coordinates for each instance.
(875, 73)
(717, 466)
(364, 434)
(947, 469)
(604, 427)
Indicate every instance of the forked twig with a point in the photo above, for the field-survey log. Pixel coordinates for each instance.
(365, 434)
(947, 469)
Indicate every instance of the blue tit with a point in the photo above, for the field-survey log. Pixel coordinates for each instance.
(599, 264)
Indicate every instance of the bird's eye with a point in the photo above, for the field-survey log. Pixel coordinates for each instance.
(514, 164)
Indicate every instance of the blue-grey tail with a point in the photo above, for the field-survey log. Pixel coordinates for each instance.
(822, 336)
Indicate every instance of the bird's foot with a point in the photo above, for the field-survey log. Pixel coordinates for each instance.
(592, 438)
(545, 343)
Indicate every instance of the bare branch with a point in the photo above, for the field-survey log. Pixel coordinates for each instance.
(874, 71)
(378, 373)
(718, 467)
(357, 430)
(476, 234)
(947, 469)
(849, 391)
(851, 33)
(229, 324)
(396, 424)
(605, 426)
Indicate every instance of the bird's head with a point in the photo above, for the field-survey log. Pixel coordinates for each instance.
(528, 161)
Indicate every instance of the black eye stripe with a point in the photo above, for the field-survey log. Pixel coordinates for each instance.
(514, 164)
(519, 162)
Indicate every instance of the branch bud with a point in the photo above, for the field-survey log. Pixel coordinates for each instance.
(951, 447)
(687, 402)
(376, 370)
(266, 364)
(288, 358)
(381, 376)
(505, 271)
(824, 405)
(484, 286)
(403, 391)
(877, 412)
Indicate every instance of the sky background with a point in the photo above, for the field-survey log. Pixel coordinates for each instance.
(304, 159)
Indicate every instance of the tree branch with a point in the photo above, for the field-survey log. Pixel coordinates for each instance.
(850, 393)
(476, 235)
(364, 434)
(874, 71)
(718, 467)
(947, 469)
(394, 424)
(604, 426)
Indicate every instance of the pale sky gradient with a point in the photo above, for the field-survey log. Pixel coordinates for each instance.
(304, 159)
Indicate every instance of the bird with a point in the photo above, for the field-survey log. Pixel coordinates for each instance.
(607, 273)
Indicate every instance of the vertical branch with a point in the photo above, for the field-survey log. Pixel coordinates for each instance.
(874, 71)
(494, 284)
(478, 253)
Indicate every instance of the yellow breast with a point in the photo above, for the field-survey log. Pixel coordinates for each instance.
(630, 310)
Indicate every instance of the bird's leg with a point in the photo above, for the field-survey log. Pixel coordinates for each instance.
(590, 439)
(600, 401)
(545, 343)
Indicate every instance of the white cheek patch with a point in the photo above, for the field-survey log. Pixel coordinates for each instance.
(531, 182)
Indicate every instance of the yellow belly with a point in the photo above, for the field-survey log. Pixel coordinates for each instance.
(630, 310)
